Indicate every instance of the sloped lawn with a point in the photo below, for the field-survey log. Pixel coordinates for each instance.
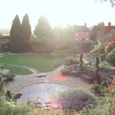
(18, 70)
(42, 63)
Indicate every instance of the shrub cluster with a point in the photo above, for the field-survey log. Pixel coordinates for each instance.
(71, 60)
(76, 100)
(98, 50)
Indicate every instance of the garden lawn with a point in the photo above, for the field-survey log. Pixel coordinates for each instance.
(42, 63)
(18, 70)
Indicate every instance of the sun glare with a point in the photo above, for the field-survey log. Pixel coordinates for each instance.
(58, 12)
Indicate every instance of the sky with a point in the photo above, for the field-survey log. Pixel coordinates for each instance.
(58, 12)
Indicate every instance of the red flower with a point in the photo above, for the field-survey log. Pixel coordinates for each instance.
(113, 80)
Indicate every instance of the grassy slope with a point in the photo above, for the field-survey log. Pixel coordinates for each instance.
(42, 63)
(18, 70)
(105, 106)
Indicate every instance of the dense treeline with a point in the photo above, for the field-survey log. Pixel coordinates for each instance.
(47, 39)
(44, 38)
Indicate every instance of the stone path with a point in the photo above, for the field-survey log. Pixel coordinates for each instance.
(21, 81)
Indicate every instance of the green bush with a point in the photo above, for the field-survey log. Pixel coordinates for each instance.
(105, 106)
(100, 49)
(104, 65)
(71, 60)
(110, 46)
(12, 108)
(103, 57)
(76, 100)
(9, 77)
(111, 57)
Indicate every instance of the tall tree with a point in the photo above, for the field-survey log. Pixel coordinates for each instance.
(15, 33)
(111, 1)
(20, 35)
(43, 31)
(25, 29)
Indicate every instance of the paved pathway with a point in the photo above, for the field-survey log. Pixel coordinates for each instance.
(21, 81)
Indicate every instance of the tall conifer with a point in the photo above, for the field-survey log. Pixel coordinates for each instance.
(25, 29)
(15, 33)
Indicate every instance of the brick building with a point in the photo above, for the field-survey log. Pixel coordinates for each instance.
(82, 32)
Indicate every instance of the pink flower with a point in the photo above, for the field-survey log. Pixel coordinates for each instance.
(113, 80)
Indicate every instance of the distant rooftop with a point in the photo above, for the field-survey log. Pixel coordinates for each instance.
(80, 28)
(110, 27)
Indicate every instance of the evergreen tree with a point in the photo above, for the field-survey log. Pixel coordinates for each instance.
(20, 35)
(81, 62)
(15, 33)
(97, 74)
(26, 34)
(25, 29)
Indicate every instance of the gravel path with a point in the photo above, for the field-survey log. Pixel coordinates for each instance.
(21, 81)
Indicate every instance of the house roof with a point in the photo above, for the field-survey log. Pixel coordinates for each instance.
(81, 28)
(4, 40)
(110, 27)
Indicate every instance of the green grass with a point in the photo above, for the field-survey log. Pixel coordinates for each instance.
(42, 63)
(105, 106)
(18, 70)
(10, 108)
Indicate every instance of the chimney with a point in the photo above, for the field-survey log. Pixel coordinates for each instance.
(109, 24)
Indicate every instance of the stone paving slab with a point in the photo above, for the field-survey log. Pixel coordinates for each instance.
(21, 81)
